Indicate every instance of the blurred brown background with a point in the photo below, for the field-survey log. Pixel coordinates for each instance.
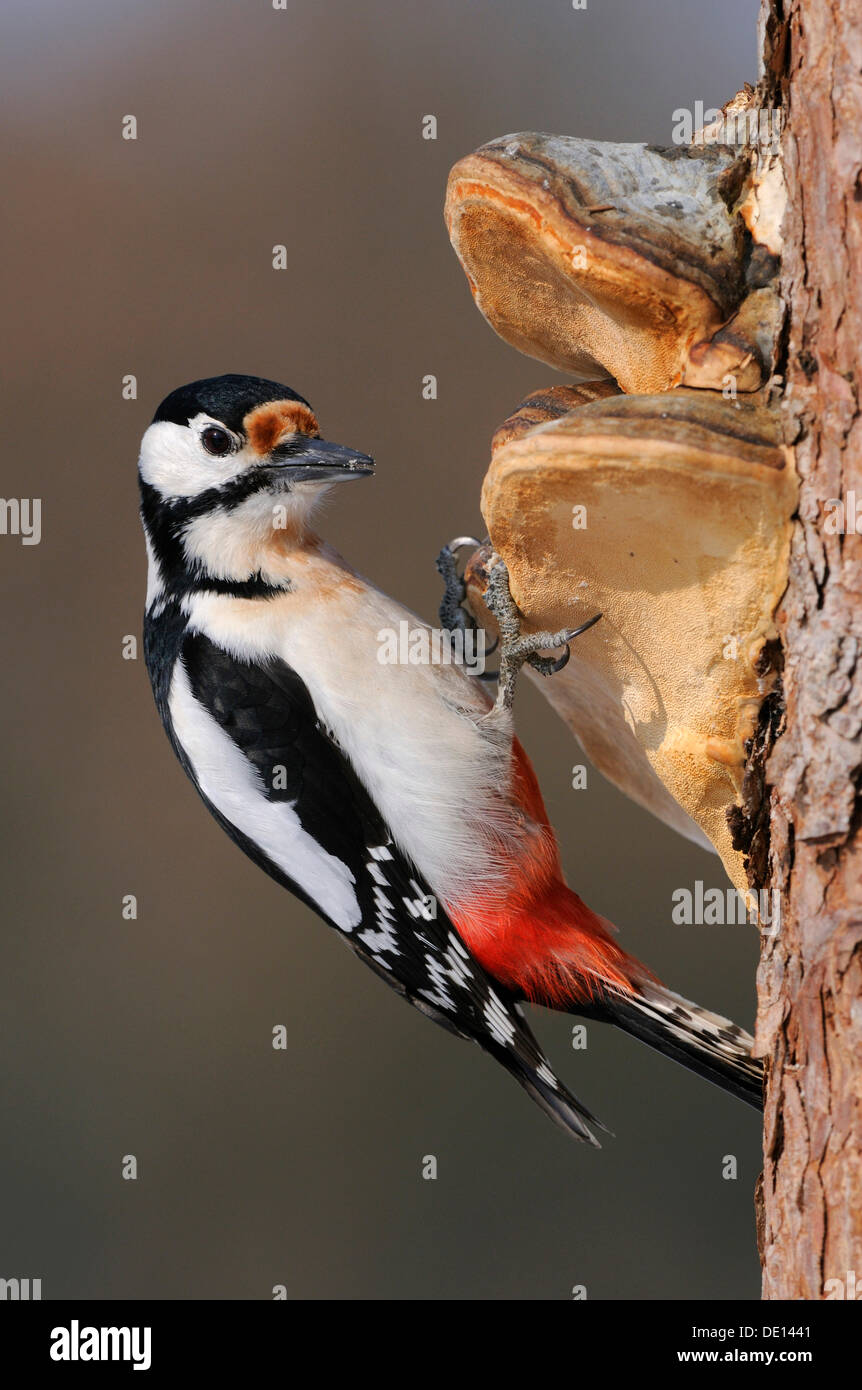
(153, 1037)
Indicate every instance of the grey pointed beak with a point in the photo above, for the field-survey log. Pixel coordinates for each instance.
(303, 459)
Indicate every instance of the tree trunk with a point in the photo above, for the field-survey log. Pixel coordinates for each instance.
(810, 977)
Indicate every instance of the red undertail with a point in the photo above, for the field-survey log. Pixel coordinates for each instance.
(544, 942)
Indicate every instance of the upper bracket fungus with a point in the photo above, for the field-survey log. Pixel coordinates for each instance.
(631, 259)
(671, 514)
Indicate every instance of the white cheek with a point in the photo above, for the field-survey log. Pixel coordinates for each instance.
(174, 462)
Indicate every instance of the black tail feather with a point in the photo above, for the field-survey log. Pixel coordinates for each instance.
(560, 1105)
(706, 1043)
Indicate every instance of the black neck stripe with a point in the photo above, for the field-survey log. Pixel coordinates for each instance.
(253, 587)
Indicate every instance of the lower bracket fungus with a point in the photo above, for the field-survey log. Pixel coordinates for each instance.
(671, 514)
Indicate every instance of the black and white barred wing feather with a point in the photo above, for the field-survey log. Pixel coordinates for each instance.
(249, 737)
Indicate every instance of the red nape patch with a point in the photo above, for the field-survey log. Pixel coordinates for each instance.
(266, 425)
(545, 944)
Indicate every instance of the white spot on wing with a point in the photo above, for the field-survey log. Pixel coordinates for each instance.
(544, 1072)
(500, 1026)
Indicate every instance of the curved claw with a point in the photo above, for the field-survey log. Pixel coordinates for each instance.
(445, 562)
(561, 661)
(584, 627)
(460, 542)
(547, 666)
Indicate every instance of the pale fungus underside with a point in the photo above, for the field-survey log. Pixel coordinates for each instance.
(670, 511)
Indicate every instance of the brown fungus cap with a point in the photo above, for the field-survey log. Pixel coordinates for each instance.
(671, 515)
(550, 404)
(593, 256)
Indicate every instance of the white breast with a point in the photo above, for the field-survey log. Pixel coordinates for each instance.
(414, 733)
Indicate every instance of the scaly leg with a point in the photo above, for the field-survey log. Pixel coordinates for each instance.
(516, 649)
(452, 615)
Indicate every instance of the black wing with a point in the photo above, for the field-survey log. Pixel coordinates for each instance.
(404, 935)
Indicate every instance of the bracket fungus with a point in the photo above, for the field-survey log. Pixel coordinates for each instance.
(670, 514)
(658, 491)
(630, 259)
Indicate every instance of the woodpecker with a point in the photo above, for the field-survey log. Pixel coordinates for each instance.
(393, 800)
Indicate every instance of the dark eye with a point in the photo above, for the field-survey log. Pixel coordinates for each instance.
(216, 441)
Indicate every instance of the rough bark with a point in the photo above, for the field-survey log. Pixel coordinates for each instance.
(810, 977)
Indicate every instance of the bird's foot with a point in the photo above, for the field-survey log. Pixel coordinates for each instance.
(453, 615)
(516, 648)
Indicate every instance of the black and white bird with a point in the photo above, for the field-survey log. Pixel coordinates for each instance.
(393, 799)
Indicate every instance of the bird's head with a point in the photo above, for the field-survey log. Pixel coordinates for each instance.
(227, 465)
